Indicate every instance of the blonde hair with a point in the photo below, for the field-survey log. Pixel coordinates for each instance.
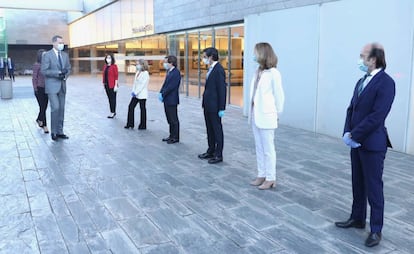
(144, 64)
(265, 55)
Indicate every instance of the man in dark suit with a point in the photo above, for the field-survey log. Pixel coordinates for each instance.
(170, 97)
(56, 68)
(214, 104)
(367, 136)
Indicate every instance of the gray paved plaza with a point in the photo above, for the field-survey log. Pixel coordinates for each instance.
(111, 190)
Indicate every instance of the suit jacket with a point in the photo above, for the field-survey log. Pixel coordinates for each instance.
(140, 86)
(268, 100)
(365, 116)
(50, 69)
(214, 96)
(170, 87)
(112, 75)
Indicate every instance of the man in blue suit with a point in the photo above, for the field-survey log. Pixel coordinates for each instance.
(170, 97)
(367, 136)
(214, 104)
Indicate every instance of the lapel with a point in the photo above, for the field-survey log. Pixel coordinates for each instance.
(371, 85)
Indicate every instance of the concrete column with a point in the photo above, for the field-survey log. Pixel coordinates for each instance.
(94, 63)
(120, 62)
(75, 63)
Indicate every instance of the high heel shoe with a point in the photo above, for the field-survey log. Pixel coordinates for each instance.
(112, 115)
(40, 123)
(258, 181)
(45, 129)
(267, 185)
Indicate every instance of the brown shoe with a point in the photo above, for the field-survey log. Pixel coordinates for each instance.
(258, 181)
(267, 185)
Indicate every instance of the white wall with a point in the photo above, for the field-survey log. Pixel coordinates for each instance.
(318, 47)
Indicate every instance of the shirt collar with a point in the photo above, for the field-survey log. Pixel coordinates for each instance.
(375, 71)
(213, 64)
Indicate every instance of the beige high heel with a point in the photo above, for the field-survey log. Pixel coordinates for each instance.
(267, 185)
(45, 129)
(258, 181)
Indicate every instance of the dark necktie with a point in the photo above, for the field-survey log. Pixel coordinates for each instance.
(361, 84)
(60, 61)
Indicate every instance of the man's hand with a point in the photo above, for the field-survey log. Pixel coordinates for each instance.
(221, 113)
(349, 141)
(133, 94)
(160, 98)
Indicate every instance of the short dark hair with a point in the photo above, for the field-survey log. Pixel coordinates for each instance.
(39, 55)
(172, 60)
(54, 38)
(211, 52)
(377, 52)
(112, 58)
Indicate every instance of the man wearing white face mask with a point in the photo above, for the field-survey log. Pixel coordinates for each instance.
(139, 95)
(56, 68)
(169, 95)
(366, 135)
(214, 104)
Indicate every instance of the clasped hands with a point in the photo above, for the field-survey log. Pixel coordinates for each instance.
(349, 141)
(62, 74)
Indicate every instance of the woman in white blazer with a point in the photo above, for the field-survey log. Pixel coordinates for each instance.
(266, 103)
(139, 95)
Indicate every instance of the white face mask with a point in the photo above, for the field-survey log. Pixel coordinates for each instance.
(166, 66)
(61, 46)
(108, 60)
(206, 61)
(139, 67)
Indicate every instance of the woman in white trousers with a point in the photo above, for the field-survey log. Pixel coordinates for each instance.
(266, 103)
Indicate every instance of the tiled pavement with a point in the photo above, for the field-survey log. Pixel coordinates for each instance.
(111, 190)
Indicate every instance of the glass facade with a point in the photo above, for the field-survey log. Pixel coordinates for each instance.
(187, 46)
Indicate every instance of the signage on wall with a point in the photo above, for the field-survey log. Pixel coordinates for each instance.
(141, 29)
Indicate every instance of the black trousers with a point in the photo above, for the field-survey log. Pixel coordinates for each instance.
(11, 74)
(215, 136)
(111, 98)
(172, 119)
(131, 108)
(42, 100)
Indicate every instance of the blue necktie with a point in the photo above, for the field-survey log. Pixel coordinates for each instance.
(361, 84)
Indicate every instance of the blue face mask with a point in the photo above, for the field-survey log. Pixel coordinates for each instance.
(166, 66)
(255, 58)
(362, 66)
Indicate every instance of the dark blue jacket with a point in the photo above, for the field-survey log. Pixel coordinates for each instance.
(366, 114)
(214, 96)
(170, 88)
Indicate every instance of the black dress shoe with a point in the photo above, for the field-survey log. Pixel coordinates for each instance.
(350, 223)
(142, 128)
(215, 160)
(112, 115)
(166, 139)
(373, 239)
(127, 127)
(205, 156)
(54, 137)
(172, 141)
(62, 136)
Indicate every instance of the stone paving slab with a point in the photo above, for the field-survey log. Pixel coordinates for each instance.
(111, 190)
